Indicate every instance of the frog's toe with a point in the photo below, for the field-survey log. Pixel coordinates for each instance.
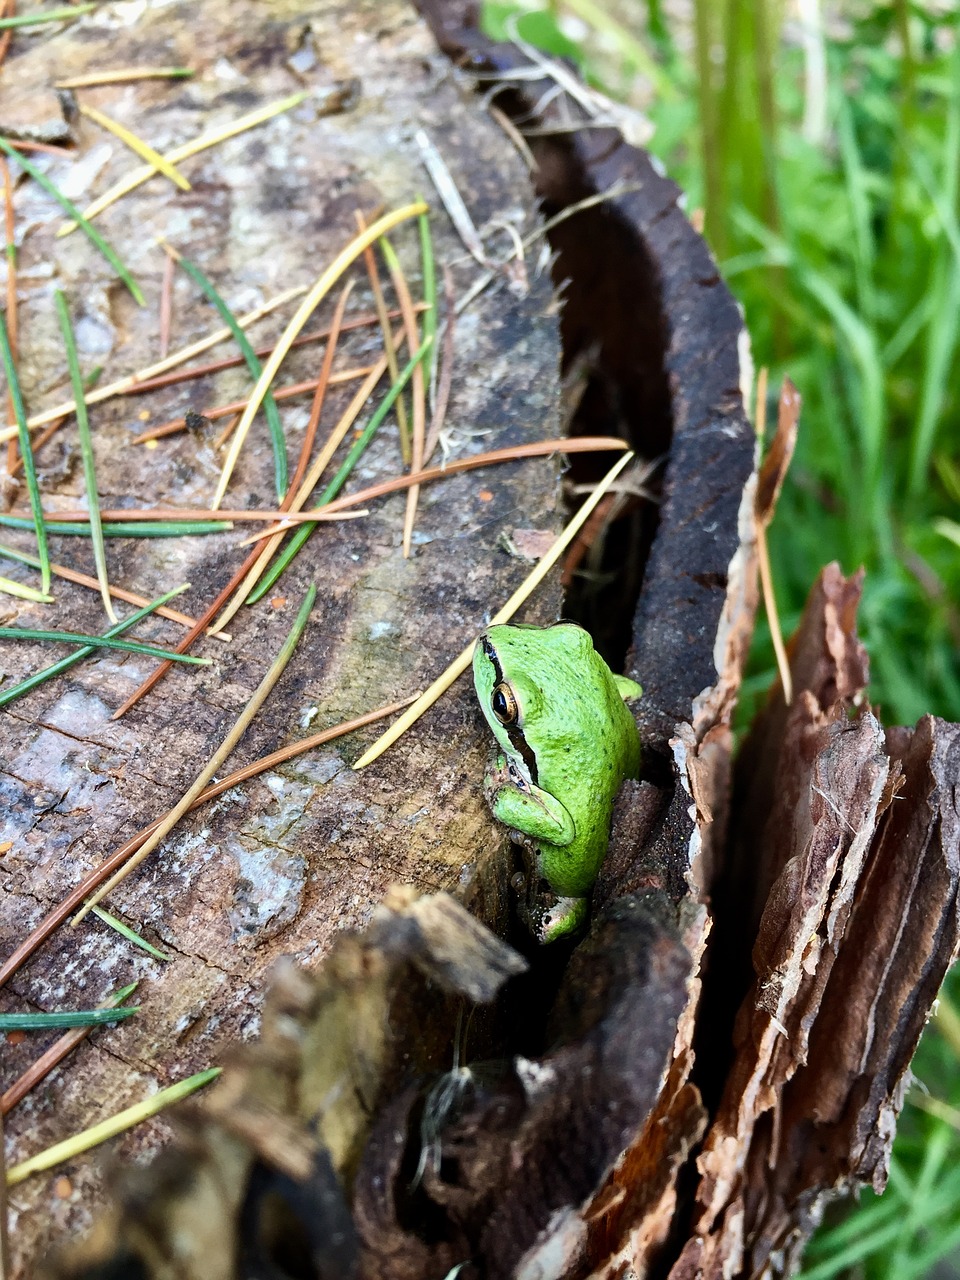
(564, 916)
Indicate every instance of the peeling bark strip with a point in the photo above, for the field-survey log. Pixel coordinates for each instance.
(679, 1092)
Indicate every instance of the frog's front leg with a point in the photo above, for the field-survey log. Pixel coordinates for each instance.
(524, 807)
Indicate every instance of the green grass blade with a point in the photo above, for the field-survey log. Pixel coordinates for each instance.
(86, 451)
(119, 1123)
(26, 451)
(335, 485)
(255, 367)
(63, 1021)
(49, 15)
(99, 642)
(57, 668)
(124, 528)
(93, 234)
(130, 934)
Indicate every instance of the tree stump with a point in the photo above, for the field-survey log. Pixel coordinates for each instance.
(680, 1090)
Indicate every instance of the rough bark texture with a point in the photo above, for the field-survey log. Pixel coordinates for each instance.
(678, 1093)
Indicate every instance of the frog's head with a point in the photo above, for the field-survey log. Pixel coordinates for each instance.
(518, 673)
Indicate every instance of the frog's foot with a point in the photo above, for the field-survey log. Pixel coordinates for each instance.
(558, 918)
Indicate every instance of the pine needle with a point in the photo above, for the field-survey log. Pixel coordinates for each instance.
(386, 329)
(183, 152)
(119, 1123)
(118, 593)
(526, 588)
(419, 391)
(48, 15)
(12, 588)
(13, 325)
(123, 75)
(341, 477)
(29, 466)
(48, 673)
(319, 395)
(41, 1068)
(253, 364)
(127, 529)
(64, 1020)
(219, 756)
(130, 934)
(137, 145)
(53, 919)
(323, 285)
(94, 235)
(99, 642)
(86, 452)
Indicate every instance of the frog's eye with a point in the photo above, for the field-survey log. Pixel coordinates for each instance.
(504, 704)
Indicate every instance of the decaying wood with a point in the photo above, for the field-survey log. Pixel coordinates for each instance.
(729, 1045)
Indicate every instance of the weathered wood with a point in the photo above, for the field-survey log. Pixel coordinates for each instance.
(277, 866)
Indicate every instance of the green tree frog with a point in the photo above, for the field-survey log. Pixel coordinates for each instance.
(567, 742)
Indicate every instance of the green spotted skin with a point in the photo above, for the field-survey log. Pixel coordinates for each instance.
(567, 742)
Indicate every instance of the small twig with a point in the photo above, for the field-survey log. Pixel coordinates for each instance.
(526, 588)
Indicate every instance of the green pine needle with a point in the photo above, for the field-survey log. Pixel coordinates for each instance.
(107, 250)
(64, 1021)
(99, 642)
(86, 451)
(124, 528)
(130, 934)
(49, 15)
(48, 673)
(26, 451)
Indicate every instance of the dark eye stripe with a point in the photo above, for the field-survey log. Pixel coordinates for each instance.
(517, 740)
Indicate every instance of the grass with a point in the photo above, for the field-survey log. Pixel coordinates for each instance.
(834, 216)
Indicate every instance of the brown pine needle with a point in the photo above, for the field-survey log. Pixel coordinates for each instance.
(46, 148)
(9, 9)
(526, 588)
(132, 382)
(259, 558)
(136, 145)
(316, 408)
(93, 879)
(419, 391)
(13, 327)
(445, 379)
(277, 667)
(226, 433)
(287, 519)
(166, 305)
(224, 410)
(535, 449)
(46, 434)
(321, 287)
(370, 262)
(232, 362)
(123, 75)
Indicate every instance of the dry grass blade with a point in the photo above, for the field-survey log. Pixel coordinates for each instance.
(132, 382)
(390, 352)
(322, 286)
(137, 145)
(55, 918)
(460, 664)
(41, 1068)
(219, 756)
(119, 1123)
(206, 140)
